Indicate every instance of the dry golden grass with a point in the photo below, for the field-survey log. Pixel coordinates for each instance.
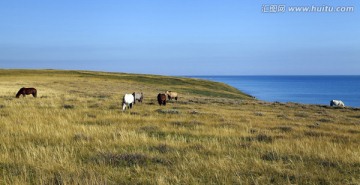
(75, 133)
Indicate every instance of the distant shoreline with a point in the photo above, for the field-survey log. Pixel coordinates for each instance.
(303, 89)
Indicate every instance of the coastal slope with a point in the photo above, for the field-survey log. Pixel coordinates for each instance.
(75, 132)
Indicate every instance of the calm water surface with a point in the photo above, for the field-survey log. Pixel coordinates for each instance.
(300, 89)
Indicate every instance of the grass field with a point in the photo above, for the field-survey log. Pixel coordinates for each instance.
(75, 133)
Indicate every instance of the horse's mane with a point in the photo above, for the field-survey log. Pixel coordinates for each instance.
(19, 92)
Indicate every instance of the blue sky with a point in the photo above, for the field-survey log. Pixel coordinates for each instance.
(180, 37)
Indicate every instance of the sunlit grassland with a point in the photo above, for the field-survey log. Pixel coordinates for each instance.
(75, 133)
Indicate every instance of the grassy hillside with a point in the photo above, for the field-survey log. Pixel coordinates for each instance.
(75, 133)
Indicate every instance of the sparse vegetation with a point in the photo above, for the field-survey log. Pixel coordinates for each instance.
(76, 133)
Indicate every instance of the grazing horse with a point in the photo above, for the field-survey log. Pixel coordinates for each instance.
(172, 95)
(337, 103)
(161, 99)
(139, 97)
(26, 91)
(128, 100)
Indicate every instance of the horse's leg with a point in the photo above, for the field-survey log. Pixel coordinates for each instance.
(176, 98)
(131, 104)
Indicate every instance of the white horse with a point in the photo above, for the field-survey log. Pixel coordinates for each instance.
(139, 97)
(337, 103)
(128, 100)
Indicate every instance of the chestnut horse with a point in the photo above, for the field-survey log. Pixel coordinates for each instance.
(26, 91)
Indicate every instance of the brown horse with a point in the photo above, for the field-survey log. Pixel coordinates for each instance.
(26, 91)
(161, 99)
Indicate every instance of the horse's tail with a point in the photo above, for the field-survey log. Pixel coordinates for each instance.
(35, 93)
(123, 104)
(134, 97)
(123, 100)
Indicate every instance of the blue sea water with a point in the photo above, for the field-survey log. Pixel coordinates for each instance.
(300, 89)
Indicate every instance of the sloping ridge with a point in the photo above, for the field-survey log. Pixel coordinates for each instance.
(180, 84)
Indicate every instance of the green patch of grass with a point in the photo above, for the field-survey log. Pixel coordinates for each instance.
(162, 148)
(187, 124)
(100, 122)
(168, 111)
(324, 120)
(283, 128)
(128, 159)
(67, 106)
(354, 116)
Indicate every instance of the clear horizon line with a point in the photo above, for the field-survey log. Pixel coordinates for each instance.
(181, 75)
